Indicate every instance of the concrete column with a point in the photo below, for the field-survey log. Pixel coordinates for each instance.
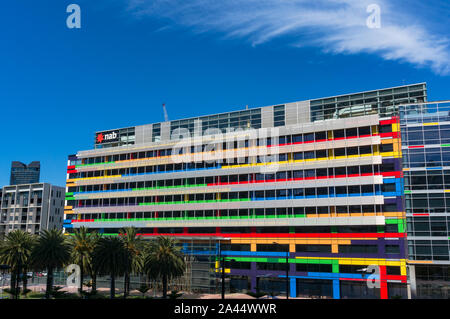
(412, 287)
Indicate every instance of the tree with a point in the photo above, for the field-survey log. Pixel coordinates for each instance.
(51, 252)
(110, 258)
(93, 269)
(15, 251)
(133, 246)
(82, 247)
(164, 260)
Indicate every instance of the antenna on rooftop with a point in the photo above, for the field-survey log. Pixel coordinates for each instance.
(166, 117)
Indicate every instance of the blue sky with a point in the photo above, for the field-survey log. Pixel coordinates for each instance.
(58, 85)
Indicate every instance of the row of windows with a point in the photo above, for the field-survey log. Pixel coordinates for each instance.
(425, 135)
(381, 102)
(226, 179)
(429, 179)
(429, 157)
(221, 121)
(278, 115)
(24, 228)
(438, 252)
(156, 132)
(324, 268)
(434, 202)
(249, 230)
(345, 249)
(285, 139)
(269, 212)
(36, 199)
(214, 164)
(424, 113)
(434, 226)
(433, 272)
(279, 194)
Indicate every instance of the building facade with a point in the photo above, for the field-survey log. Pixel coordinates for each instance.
(31, 208)
(24, 174)
(426, 165)
(312, 190)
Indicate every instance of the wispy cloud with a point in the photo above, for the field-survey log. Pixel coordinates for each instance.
(336, 26)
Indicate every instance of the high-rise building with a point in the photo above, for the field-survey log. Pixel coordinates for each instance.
(426, 165)
(304, 197)
(24, 174)
(31, 208)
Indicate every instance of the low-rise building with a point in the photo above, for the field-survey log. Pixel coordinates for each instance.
(31, 207)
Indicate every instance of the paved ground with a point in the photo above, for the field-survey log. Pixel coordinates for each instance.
(105, 291)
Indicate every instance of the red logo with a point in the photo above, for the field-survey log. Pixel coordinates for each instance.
(100, 138)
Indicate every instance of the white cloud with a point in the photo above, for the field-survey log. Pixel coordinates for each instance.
(337, 26)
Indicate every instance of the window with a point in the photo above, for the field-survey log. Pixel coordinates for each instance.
(339, 134)
(298, 156)
(339, 152)
(320, 136)
(362, 131)
(297, 138)
(386, 148)
(358, 249)
(386, 128)
(313, 248)
(309, 137)
(392, 249)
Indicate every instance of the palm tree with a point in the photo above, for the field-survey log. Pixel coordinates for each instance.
(15, 251)
(51, 252)
(133, 246)
(81, 253)
(164, 260)
(93, 270)
(110, 258)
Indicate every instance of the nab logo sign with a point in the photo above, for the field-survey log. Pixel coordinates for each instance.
(106, 137)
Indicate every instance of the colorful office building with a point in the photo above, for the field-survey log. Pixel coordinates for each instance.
(306, 196)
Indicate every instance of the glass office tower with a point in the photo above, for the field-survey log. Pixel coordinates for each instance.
(24, 174)
(309, 191)
(426, 165)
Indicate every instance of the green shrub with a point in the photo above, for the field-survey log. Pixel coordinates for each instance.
(35, 295)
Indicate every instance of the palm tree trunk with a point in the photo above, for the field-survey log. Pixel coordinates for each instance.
(17, 290)
(126, 284)
(112, 292)
(25, 281)
(12, 283)
(80, 289)
(94, 281)
(49, 283)
(164, 282)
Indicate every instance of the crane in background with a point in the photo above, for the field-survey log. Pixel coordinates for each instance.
(166, 117)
